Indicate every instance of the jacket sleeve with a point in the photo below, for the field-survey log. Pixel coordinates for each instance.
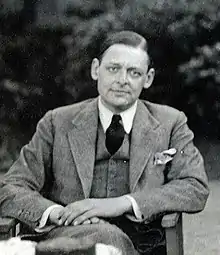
(186, 185)
(20, 190)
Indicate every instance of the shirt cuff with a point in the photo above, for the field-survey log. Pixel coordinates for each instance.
(42, 225)
(137, 217)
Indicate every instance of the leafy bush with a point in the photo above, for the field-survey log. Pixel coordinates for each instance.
(44, 67)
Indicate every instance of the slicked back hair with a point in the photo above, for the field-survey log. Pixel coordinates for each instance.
(125, 37)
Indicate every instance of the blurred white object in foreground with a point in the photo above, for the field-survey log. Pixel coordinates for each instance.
(14, 246)
(103, 249)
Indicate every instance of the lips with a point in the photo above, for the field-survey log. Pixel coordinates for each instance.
(120, 91)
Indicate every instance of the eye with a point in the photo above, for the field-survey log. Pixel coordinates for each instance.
(135, 73)
(112, 69)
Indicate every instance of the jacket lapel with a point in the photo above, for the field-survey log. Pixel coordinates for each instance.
(143, 140)
(82, 140)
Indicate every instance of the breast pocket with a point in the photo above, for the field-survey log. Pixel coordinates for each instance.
(157, 172)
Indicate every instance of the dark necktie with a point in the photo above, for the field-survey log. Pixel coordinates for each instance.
(114, 134)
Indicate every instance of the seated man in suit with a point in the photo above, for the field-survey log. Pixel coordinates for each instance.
(104, 169)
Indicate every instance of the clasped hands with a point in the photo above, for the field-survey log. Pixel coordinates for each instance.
(90, 211)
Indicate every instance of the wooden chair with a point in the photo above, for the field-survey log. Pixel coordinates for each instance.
(171, 222)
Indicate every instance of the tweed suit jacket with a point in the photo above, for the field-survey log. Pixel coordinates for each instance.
(56, 167)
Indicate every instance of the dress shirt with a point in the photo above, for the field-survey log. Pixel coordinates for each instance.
(127, 116)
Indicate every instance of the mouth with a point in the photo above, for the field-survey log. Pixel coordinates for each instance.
(119, 91)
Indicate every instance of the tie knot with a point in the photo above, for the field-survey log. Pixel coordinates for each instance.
(116, 118)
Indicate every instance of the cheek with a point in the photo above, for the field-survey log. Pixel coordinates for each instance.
(137, 88)
(105, 81)
(103, 86)
(104, 77)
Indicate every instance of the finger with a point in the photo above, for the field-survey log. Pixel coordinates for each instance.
(74, 215)
(54, 221)
(86, 222)
(94, 220)
(64, 217)
(87, 215)
(63, 211)
(69, 215)
(73, 211)
(63, 214)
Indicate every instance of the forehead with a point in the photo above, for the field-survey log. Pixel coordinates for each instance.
(125, 54)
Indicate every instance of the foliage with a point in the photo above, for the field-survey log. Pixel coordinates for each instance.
(43, 67)
(202, 87)
(199, 68)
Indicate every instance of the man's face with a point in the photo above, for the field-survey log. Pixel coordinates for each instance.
(121, 75)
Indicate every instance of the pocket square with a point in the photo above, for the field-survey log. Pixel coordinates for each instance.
(161, 158)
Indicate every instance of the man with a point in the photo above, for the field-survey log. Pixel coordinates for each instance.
(99, 169)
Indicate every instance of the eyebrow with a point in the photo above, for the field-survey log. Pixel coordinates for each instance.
(130, 67)
(113, 63)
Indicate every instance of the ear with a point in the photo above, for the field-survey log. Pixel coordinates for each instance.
(95, 69)
(149, 78)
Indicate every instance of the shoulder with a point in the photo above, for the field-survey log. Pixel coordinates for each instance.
(71, 110)
(63, 116)
(164, 113)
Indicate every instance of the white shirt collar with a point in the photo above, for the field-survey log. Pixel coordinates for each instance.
(127, 116)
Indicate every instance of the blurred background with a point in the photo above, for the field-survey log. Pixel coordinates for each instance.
(46, 48)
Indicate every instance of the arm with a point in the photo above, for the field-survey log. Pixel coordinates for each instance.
(20, 190)
(186, 188)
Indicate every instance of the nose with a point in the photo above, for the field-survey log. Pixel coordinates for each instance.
(122, 78)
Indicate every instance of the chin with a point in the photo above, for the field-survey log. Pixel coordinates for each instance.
(122, 107)
(118, 104)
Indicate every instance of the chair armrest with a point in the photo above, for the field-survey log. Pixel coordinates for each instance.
(7, 227)
(170, 220)
(174, 233)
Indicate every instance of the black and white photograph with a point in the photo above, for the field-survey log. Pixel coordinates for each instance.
(109, 127)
